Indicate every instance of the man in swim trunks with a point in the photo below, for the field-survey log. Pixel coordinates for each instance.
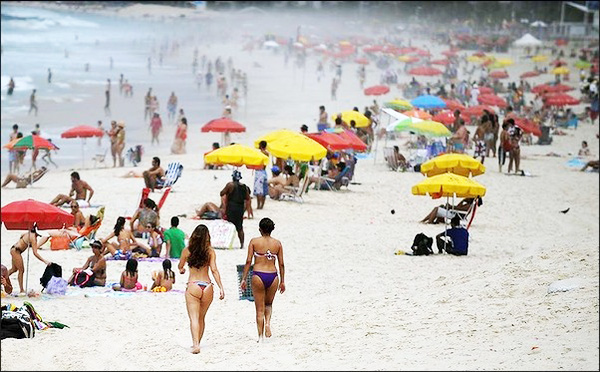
(79, 189)
(155, 175)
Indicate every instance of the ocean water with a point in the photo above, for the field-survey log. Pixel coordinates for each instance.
(35, 39)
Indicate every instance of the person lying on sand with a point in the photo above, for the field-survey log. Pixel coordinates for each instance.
(26, 179)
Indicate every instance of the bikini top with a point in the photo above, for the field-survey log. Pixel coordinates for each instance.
(268, 255)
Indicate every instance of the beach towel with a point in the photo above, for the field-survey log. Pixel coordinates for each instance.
(222, 234)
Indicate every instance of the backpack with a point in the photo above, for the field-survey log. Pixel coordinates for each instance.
(422, 245)
(51, 270)
(83, 279)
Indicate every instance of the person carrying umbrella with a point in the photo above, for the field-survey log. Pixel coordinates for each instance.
(28, 239)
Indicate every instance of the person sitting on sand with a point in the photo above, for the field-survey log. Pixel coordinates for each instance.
(6, 284)
(594, 164)
(129, 277)
(79, 189)
(439, 213)
(584, 150)
(454, 240)
(125, 241)
(200, 256)
(26, 179)
(276, 183)
(209, 211)
(96, 263)
(164, 279)
(155, 240)
(154, 175)
(174, 239)
(144, 216)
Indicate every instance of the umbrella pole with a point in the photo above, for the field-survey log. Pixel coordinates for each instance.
(446, 222)
(82, 154)
(27, 277)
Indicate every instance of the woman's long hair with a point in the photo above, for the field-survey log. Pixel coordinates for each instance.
(119, 226)
(199, 247)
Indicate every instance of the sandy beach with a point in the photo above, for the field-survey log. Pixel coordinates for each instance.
(350, 302)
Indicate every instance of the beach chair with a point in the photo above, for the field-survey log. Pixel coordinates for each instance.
(335, 184)
(99, 158)
(466, 217)
(295, 193)
(172, 174)
(390, 158)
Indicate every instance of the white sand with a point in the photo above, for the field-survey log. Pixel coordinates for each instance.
(350, 302)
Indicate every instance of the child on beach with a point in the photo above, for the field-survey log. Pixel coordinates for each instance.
(163, 279)
(129, 277)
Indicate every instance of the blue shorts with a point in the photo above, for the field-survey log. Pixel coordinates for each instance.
(322, 126)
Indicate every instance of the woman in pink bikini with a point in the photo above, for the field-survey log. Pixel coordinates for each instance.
(265, 281)
(199, 256)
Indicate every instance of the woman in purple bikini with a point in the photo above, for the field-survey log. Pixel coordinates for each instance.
(265, 280)
(199, 256)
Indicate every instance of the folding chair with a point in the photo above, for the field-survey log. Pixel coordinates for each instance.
(172, 174)
(295, 193)
(99, 158)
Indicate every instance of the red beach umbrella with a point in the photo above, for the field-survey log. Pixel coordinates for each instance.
(479, 54)
(425, 71)
(528, 126)
(561, 88)
(492, 100)
(529, 74)
(560, 99)
(443, 62)
(453, 104)
(477, 110)
(561, 42)
(377, 90)
(223, 125)
(542, 88)
(21, 215)
(362, 61)
(355, 142)
(485, 90)
(499, 75)
(82, 131)
(445, 117)
(558, 62)
(330, 140)
(449, 53)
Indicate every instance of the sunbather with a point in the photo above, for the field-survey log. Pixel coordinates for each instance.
(125, 241)
(96, 263)
(26, 179)
(594, 164)
(439, 213)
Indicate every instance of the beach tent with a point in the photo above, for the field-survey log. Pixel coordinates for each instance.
(527, 40)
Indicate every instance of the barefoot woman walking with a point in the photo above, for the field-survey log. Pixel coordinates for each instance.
(199, 256)
(265, 281)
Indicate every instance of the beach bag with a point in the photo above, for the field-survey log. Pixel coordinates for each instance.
(52, 270)
(83, 278)
(16, 323)
(60, 242)
(56, 286)
(422, 245)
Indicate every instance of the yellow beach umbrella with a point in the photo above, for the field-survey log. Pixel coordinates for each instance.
(300, 148)
(237, 155)
(562, 70)
(505, 61)
(398, 104)
(275, 135)
(461, 164)
(360, 120)
(449, 184)
(539, 58)
(428, 128)
(474, 59)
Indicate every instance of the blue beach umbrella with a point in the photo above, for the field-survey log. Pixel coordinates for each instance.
(428, 102)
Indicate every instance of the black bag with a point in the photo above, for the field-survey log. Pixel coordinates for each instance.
(16, 324)
(53, 269)
(422, 245)
(83, 279)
